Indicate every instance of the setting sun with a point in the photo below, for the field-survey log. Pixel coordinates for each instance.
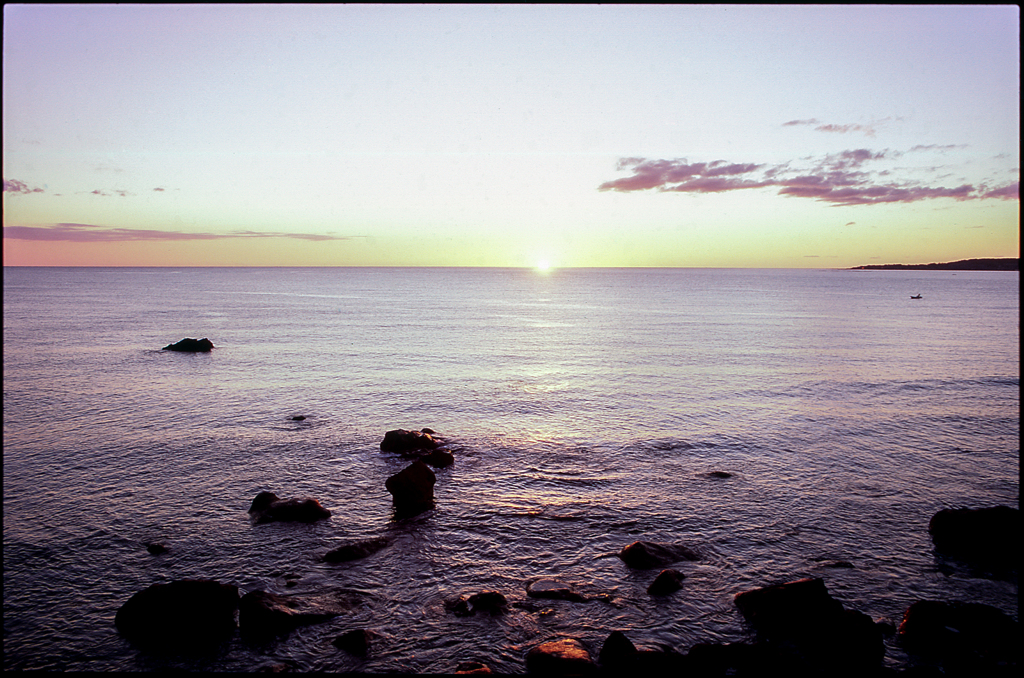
(543, 266)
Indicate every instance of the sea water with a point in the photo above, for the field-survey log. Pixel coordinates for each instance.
(586, 409)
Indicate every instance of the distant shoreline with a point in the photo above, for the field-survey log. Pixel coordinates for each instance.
(962, 265)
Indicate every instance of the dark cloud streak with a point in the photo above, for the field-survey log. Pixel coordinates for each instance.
(837, 178)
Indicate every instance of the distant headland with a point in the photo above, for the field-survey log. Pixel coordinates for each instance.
(962, 265)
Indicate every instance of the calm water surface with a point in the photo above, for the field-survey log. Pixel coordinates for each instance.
(586, 408)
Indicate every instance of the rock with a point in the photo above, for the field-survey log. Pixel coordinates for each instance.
(471, 669)
(265, 615)
(719, 474)
(156, 547)
(645, 555)
(356, 642)
(181, 615)
(459, 607)
(491, 602)
(356, 550)
(617, 652)
(268, 507)
(736, 659)
(814, 628)
(299, 417)
(988, 536)
(961, 635)
(438, 458)
(565, 656)
(553, 590)
(405, 442)
(412, 489)
(190, 346)
(667, 581)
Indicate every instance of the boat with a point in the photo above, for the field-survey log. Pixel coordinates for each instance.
(917, 297)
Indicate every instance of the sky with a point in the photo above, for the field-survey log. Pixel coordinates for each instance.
(732, 136)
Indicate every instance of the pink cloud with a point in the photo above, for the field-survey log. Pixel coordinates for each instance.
(70, 232)
(19, 187)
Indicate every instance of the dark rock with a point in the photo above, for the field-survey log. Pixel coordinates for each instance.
(190, 346)
(181, 615)
(356, 550)
(667, 581)
(735, 659)
(459, 607)
(961, 635)
(645, 555)
(564, 656)
(428, 430)
(719, 474)
(802, 617)
(491, 602)
(299, 417)
(405, 442)
(156, 547)
(471, 669)
(989, 536)
(356, 642)
(412, 489)
(617, 652)
(265, 615)
(438, 458)
(268, 507)
(553, 590)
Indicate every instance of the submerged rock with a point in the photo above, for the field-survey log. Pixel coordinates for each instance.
(181, 615)
(264, 615)
(553, 589)
(267, 507)
(564, 656)
(438, 458)
(188, 345)
(490, 602)
(646, 555)
(412, 489)
(355, 642)
(356, 550)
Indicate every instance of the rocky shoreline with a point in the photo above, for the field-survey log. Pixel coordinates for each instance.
(797, 627)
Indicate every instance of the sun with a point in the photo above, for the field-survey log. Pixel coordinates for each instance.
(543, 266)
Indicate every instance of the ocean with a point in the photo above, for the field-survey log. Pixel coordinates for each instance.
(586, 408)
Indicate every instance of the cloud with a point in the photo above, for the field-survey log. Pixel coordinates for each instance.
(70, 232)
(843, 178)
(19, 187)
(159, 189)
(105, 194)
(869, 129)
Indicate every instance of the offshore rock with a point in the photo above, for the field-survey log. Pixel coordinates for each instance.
(409, 442)
(988, 536)
(412, 489)
(472, 669)
(438, 458)
(811, 628)
(190, 346)
(553, 590)
(490, 602)
(963, 636)
(620, 656)
(667, 581)
(264, 615)
(183, 615)
(267, 507)
(355, 642)
(356, 550)
(645, 555)
(564, 656)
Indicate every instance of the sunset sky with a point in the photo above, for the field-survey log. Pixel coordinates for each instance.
(507, 135)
